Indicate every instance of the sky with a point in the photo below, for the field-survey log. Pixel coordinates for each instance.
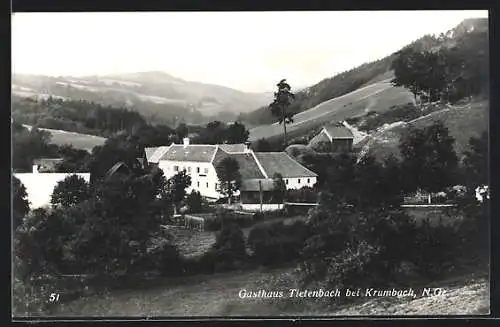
(249, 51)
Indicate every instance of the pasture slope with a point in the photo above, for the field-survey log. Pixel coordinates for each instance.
(378, 96)
(463, 121)
(78, 141)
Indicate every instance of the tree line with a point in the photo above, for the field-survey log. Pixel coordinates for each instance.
(357, 236)
(446, 71)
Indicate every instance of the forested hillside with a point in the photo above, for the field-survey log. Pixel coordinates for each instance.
(327, 89)
(468, 40)
(76, 116)
(158, 96)
(439, 70)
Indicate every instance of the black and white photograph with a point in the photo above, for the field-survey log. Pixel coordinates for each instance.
(250, 164)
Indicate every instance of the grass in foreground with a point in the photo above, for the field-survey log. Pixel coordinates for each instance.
(217, 295)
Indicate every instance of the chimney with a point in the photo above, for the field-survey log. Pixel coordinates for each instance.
(186, 141)
(247, 147)
(35, 169)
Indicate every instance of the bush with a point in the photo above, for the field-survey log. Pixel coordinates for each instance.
(434, 249)
(349, 248)
(194, 202)
(277, 243)
(354, 267)
(302, 195)
(162, 256)
(228, 250)
(223, 216)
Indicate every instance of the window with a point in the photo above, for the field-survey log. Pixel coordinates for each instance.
(286, 181)
(206, 170)
(198, 183)
(198, 170)
(308, 181)
(216, 186)
(176, 168)
(298, 181)
(207, 184)
(189, 169)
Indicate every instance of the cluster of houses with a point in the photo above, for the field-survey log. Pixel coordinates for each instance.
(257, 169)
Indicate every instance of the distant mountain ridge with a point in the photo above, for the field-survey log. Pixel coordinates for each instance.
(156, 94)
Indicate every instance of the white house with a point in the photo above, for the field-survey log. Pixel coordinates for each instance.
(200, 160)
(40, 186)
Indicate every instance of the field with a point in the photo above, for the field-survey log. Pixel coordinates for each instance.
(77, 140)
(378, 97)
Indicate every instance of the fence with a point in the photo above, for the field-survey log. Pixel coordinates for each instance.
(194, 222)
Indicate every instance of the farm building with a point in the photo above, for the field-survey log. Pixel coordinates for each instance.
(333, 138)
(199, 162)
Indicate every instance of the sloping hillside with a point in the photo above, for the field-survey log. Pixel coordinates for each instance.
(364, 88)
(464, 121)
(378, 96)
(76, 140)
(154, 94)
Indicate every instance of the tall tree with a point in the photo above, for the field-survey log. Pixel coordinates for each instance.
(228, 172)
(214, 133)
(408, 70)
(263, 145)
(20, 203)
(71, 191)
(279, 107)
(236, 133)
(279, 188)
(476, 161)
(429, 159)
(176, 187)
(182, 130)
(74, 160)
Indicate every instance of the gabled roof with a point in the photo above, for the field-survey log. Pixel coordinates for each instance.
(154, 154)
(192, 152)
(249, 168)
(116, 167)
(253, 184)
(280, 162)
(338, 132)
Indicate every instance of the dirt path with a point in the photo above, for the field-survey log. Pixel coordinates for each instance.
(218, 295)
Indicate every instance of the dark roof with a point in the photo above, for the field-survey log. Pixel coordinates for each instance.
(251, 185)
(248, 166)
(338, 132)
(280, 162)
(233, 147)
(117, 167)
(192, 152)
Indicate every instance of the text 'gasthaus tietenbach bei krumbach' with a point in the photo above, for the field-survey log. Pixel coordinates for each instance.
(366, 292)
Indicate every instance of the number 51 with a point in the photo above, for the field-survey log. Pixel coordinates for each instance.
(54, 297)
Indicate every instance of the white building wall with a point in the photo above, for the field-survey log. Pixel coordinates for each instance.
(199, 180)
(203, 182)
(299, 182)
(40, 186)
